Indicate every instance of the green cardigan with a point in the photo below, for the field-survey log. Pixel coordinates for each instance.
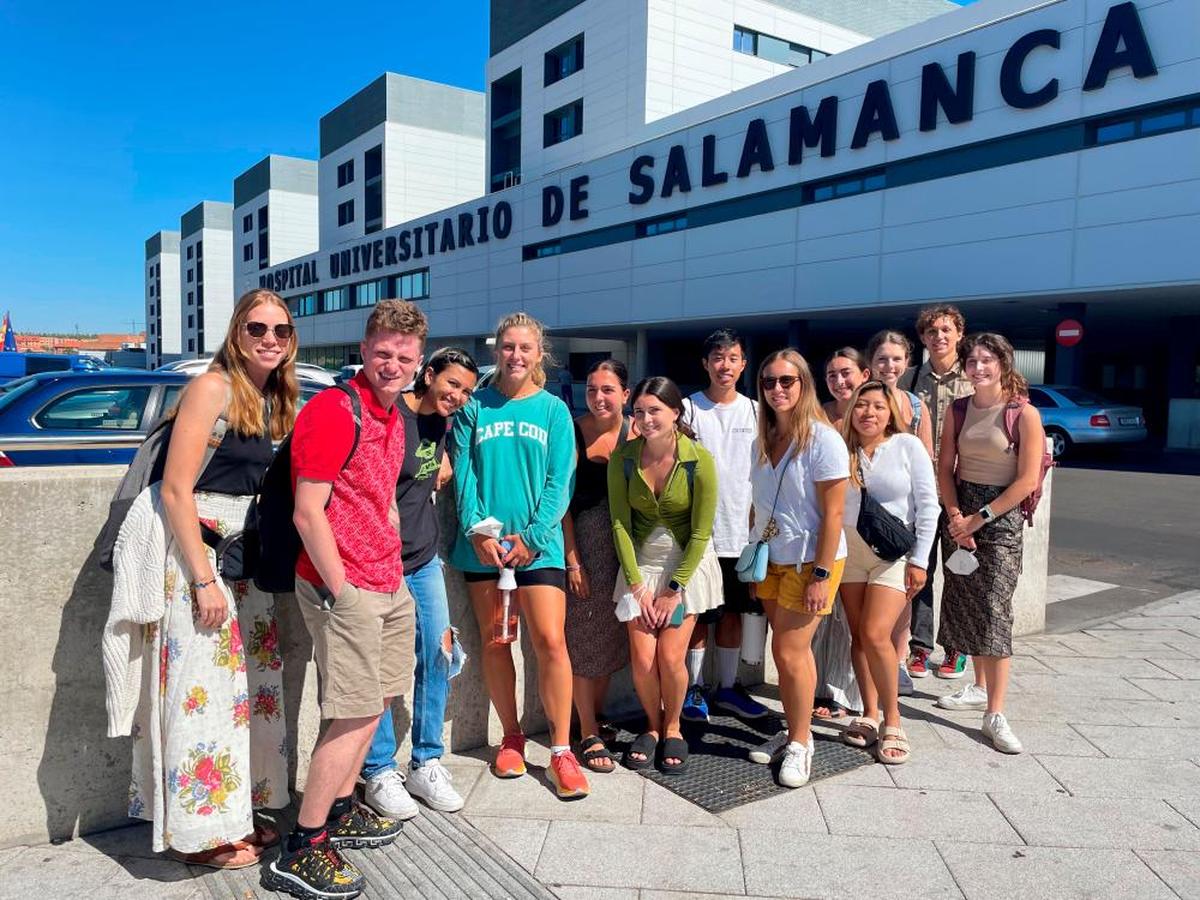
(636, 511)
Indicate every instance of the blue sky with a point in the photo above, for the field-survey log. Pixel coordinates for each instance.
(117, 118)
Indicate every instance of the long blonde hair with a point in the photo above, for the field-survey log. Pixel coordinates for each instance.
(522, 319)
(853, 441)
(281, 390)
(807, 411)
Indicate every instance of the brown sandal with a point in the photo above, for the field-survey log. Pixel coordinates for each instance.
(239, 855)
(892, 738)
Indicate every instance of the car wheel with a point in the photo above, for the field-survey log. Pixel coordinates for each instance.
(1059, 442)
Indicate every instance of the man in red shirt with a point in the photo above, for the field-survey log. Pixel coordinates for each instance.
(350, 589)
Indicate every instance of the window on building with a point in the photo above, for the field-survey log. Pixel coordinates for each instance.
(373, 189)
(370, 292)
(412, 285)
(200, 295)
(199, 270)
(191, 321)
(191, 299)
(191, 275)
(661, 226)
(565, 59)
(157, 270)
(304, 305)
(152, 312)
(152, 329)
(346, 212)
(247, 252)
(190, 250)
(199, 249)
(248, 222)
(191, 345)
(541, 251)
(335, 299)
(345, 173)
(563, 124)
(506, 132)
(773, 49)
(151, 290)
(151, 273)
(262, 218)
(263, 257)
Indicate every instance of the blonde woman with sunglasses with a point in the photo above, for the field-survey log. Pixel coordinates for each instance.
(799, 485)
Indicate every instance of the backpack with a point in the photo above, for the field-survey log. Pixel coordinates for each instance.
(147, 469)
(1012, 414)
(278, 540)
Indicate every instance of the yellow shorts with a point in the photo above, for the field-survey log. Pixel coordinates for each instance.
(785, 585)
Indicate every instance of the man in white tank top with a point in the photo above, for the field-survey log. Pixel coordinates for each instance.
(726, 424)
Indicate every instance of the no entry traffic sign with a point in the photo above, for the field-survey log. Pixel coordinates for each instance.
(1068, 333)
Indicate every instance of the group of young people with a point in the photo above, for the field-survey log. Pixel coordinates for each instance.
(626, 538)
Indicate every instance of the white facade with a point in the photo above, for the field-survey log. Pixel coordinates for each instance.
(275, 216)
(161, 273)
(205, 277)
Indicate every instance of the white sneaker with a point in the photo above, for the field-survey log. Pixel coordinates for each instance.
(796, 765)
(764, 753)
(970, 697)
(995, 726)
(905, 682)
(431, 784)
(386, 795)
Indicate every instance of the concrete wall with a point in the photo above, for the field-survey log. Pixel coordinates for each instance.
(64, 777)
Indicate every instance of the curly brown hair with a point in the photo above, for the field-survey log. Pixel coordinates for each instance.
(1012, 382)
(931, 314)
(400, 316)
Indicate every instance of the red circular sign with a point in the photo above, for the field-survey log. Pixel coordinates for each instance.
(1068, 333)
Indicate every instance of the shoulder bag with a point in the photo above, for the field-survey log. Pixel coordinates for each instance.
(885, 533)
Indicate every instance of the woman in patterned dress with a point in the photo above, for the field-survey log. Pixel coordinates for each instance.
(209, 736)
(984, 474)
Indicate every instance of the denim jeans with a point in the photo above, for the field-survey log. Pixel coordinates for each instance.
(431, 683)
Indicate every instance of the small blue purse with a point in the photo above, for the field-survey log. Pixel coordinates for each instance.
(751, 565)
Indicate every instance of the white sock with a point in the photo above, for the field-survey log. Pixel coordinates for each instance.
(556, 749)
(695, 666)
(727, 665)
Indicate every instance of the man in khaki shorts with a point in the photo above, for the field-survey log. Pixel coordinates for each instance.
(350, 590)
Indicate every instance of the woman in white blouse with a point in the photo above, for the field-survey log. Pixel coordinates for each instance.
(894, 468)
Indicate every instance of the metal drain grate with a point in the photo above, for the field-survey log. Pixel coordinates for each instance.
(719, 775)
(436, 856)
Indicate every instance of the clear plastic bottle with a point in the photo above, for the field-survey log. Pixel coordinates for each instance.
(504, 619)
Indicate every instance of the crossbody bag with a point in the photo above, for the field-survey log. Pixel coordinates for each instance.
(751, 565)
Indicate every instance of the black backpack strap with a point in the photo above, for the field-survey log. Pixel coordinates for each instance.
(356, 411)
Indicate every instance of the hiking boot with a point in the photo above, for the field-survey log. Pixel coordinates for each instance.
(313, 872)
(362, 828)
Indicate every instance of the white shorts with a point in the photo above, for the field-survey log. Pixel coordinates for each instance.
(864, 567)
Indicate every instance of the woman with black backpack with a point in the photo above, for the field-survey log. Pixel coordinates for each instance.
(990, 461)
(890, 524)
(209, 734)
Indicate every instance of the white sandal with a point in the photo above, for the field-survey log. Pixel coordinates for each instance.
(893, 738)
(862, 732)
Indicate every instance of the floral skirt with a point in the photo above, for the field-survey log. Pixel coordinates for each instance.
(209, 737)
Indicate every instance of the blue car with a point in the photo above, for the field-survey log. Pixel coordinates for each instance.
(1073, 416)
(86, 418)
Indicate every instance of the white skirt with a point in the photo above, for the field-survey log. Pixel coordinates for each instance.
(658, 558)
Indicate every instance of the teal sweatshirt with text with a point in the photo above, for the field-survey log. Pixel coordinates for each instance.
(514, 460)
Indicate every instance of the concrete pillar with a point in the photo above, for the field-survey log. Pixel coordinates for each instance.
(1068, 361)
(641, 357)
(1183, 417)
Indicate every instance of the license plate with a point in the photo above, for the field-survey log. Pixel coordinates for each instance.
(1135, 420)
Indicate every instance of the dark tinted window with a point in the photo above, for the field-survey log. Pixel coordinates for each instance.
(1041, 399)
(97, 409)
(1080, 397)
(35, 364)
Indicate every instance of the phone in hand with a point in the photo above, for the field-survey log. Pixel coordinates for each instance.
(677, 617)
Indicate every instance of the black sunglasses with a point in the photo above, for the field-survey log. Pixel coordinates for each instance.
(784, 381)
(283, 331)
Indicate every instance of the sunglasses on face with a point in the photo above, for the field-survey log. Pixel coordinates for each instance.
(768, 382)
(283, 331)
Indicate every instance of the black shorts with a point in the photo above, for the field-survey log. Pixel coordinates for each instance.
(526, 577)
(736, 593)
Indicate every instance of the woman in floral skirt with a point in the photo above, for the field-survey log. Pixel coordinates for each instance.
(209, 736)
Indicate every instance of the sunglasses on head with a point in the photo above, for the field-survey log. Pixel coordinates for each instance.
(283, 331)
(768, 382)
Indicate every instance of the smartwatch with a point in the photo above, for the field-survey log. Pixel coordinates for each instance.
(986, 514)
(674, 586)
(820, 573)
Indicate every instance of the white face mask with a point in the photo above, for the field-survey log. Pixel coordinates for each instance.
(962, 562)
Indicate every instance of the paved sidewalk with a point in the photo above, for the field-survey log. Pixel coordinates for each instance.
(1105, 802)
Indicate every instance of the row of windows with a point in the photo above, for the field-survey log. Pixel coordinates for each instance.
(198, 247)
(409, 286)
(1068, 137)
(248, 220)
(565, 59)
(330, 357)
(773, 49)
(563, 123)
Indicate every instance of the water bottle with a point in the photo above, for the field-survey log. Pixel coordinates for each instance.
(504, 620)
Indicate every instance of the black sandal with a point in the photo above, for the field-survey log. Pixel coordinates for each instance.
(590, 756)
(673, 748)
(643, 744)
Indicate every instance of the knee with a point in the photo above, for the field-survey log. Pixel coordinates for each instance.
(876, 636)
(551, 649)
(669, 659)
(643, 663)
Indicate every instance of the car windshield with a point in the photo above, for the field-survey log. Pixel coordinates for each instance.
(1080, 397)
(11, 392)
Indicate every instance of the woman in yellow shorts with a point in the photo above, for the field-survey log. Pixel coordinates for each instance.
(799, 485)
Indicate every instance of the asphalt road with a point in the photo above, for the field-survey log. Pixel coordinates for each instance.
(1137, 531)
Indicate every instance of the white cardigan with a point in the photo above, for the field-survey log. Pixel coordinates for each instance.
(900, 478)
(139, 597)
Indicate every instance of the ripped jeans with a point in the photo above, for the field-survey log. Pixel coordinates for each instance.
(431, 684)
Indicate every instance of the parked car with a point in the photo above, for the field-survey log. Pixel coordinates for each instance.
(88, 418)
(14, 365)
(197, 366)
(1073, 415)
(345, 373)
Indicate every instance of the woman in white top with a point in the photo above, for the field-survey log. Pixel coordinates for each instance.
(893, 467)
(799, 486)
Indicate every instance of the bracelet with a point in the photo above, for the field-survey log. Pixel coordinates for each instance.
(574, 568)
(197, 585)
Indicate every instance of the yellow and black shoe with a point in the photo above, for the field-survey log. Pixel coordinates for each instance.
(316, 871)
(362, 828)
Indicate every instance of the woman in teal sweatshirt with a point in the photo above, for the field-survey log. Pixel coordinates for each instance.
(513, 448)
(662, 494)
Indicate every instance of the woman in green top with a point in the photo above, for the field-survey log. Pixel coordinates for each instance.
(662, 493)
(513, 449)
